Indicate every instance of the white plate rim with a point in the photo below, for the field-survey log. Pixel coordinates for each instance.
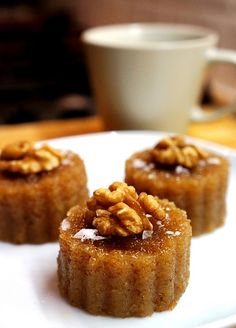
(227, 151)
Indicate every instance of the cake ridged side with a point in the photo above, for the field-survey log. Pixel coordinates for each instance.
(124, 285)
(31, 211)
(205, 203)
(203, 197)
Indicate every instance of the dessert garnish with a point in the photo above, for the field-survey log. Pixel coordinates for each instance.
(120, 211)
(25, 158)
(175, 151)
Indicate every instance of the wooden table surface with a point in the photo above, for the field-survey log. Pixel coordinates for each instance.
(222, 131)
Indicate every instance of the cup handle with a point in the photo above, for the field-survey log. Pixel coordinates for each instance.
(216, 56)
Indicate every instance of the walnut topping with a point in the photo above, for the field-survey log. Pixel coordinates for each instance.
(120, 211)
(151, 206)
(174, 151)
(23, 157)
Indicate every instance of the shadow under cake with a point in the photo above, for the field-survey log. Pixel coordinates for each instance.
(110, 263)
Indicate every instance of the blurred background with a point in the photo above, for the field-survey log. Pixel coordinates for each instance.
(42, 66)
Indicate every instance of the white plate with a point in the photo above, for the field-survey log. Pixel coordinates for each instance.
(28, 283)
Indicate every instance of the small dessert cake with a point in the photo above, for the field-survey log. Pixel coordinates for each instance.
(194, 179)
(37, 187)
(124, 254)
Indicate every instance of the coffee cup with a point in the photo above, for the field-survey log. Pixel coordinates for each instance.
(148, 76)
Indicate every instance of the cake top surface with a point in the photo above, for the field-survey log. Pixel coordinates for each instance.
(25, 157)
(118, 218)
(176, 151)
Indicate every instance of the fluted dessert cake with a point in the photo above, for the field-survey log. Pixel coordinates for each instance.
(194, 179)
(124, 254)
(37, 187)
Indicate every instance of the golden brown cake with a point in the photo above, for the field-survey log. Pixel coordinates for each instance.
(37, 187)
(124, 254)
(194, 179)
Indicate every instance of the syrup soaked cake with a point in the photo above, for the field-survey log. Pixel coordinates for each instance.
(37, 187)
(124, 254)
(194, 179)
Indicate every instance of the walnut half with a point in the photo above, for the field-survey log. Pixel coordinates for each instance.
(23, 157)
(120, 211)
(174, 151)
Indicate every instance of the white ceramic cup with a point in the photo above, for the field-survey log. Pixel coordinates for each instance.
(149, 75)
